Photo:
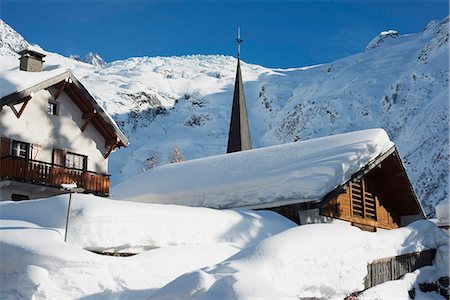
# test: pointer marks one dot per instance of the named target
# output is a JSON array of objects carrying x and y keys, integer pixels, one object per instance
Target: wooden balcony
[{"x": 47, "y": 174}]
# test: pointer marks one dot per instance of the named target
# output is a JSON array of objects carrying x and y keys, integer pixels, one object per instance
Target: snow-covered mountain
[
  {"x": 94, "y": 59},
  {"x": 91, "y": 58},
  {"x": 398, "y": 82},
  {"x": 10, "y": 41}
]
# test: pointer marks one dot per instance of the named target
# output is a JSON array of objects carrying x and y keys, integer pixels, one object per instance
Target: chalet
[
  {"x": 52, "y": 131},
  {"x": 354, "y": 178}
]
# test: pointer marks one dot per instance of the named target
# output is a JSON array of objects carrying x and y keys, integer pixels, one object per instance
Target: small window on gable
[
  {"x": 20, "y": 149},
  {"x": 52, "y": 108},
  {"x": 363, "y": 201}
]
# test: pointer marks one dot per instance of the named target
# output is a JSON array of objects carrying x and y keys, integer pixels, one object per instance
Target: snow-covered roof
[
  {"x": 298, "y": 172},
  {"x": 17, "y": 84},
  {"x": 14, "y": 80}
]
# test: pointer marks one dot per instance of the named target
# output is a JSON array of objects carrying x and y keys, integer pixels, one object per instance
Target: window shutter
[
  {"x": 5, "y": 147},
  {"x": 363, "y": 201},
  {"x": 369, "y": 203},
  {"x": 357, "y": 199},
  {"x": 59, "y": 157}
]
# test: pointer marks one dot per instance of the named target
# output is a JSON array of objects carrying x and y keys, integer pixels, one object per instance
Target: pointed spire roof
[{"x": 239, "y": 134}]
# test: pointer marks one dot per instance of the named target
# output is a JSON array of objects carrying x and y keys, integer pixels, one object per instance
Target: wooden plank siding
[
  {"x": 367, "y": 209},
  {"x": 42, "y": 173},
  {"x": 393, "y": 268}
]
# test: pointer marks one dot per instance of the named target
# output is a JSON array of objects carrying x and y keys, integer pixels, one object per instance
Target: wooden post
[
  {"x": 67, "y": 217},
  {"x": 60, "y": 90}
]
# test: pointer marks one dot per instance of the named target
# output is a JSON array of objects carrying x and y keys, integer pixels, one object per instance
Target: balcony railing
[{"x": 47, "y": 174}]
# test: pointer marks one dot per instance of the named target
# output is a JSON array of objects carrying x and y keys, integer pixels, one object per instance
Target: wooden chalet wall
[
  {"x": 364, "y": 207},
  {"x": 378, "y": 199},
  {"x": 379, "y": 196}
]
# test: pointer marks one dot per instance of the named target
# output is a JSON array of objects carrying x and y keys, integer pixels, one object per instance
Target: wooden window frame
[
  {"x": 15, "y": 143},
  {"x": 76, "y": 155},
  {"x": 52, "y": 108}
]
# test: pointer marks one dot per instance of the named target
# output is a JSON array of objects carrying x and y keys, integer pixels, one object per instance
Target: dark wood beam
[
  {"x": 60, "y": 90},
  {"x": 110, "y": 147},
  {"x": 87, "y": 120},
  {"x": 24, "y": 102},
  {"x": 78, "y": 100},
  {"x": 88, "y": 114},
  {"x": 87, "y": 117},
  {"x": 104, "y": 129},
  {"x": 387, "y": 176}
]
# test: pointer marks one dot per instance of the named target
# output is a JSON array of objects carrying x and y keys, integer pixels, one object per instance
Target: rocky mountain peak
[
  {"x": 94, "y": 59},
  {"x": 381, "y": 39}
]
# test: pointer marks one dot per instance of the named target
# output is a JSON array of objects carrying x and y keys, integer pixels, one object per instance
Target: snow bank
[
  {"x": 398, "y": 289},
  {"x": 289, "y": 173},
  {"x": 101, "y": 224},
  {"x": 322, "y": 260},
  {"x": 443, "y": 212},
  {"x": 203, "y": 254},
  {"x": 36, "y": 263}
]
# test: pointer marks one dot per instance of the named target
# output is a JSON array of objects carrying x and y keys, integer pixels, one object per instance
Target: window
[
  {"x": 76, "y": 161},
  {"x": 20, "y": 149},
  {"x": 52, "y": 108},
  {"x": 363, "y": 201}
]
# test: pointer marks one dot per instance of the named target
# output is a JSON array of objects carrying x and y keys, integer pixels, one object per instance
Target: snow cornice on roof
[
  {"x": 305, "y": 172},
  {"x": 86, "y": 102},
  {"x": 320, "y": 202}
]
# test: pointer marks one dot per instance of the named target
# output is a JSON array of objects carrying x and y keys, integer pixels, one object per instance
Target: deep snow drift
[
  {"x": 227, "y": 254},
  {"x": 103, "y": 224},
  {"x": 35, "y": 261},
  {"x": 323, "y": 261}
]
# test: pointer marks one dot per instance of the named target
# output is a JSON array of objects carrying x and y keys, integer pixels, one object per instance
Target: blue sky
[{"x": 275, "y": 33}]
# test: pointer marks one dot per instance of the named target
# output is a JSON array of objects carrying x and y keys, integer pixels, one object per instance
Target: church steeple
[{"x": 239, "y": 134}]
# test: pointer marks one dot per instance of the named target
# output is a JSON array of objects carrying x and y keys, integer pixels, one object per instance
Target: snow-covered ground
[
  {"x": 35, "y": 260},
  {"x": 192, "y": 253},
  {"x": 322, "y": 261}
]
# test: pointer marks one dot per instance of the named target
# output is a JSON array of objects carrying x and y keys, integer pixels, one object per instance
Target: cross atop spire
[{"x": 239, "y": 41}]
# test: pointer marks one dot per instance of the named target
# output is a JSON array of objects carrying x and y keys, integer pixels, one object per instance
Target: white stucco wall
[{"x": 47, "y": 132}]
